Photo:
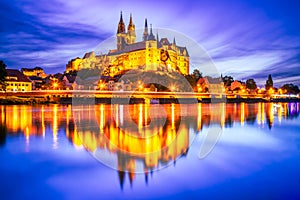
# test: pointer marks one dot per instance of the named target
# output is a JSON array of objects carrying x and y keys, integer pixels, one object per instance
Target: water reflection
[{"x": 156, "y": 137}]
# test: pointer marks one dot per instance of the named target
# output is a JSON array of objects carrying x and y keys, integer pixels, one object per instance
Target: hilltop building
[
  {"x": 151, "y": 53},
  {"x": 37, "y": 72}
]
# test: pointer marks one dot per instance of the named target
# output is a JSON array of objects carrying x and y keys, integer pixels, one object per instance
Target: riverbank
[{"x": 86, "y": 100}]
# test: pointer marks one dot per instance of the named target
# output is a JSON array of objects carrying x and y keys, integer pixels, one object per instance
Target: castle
[{"x": 151, "y": 53}]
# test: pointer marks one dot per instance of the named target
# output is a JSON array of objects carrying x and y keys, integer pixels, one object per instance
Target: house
[
  {"x": 68, "y": 81},
  {"x": 211, "y": 85},
  {"x": 17, "y": 82},
  {"x": 37, "y": 82}
]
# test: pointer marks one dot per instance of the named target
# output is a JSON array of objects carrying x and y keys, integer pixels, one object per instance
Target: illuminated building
[
  {"x": 73, "y": 64},
  {"x": 37, "y": 71},
  {"x": 17, "y": 82},
  {"x": 151, "y": 53}
]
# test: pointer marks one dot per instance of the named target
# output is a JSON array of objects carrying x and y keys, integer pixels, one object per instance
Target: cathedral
[{"x": 151, "y": 53}]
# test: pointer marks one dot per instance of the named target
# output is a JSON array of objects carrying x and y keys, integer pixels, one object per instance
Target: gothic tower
[
  {"x": 145, "y": 35},
  {"x": 121, "y": 34},
  {"x": 131, "y": 32}
]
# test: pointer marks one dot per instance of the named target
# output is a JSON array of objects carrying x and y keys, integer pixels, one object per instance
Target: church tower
[
  {"x": 121, "y": 34},
  {"x": 131, "y": 32},
  {"x": 145, "y": 35}
]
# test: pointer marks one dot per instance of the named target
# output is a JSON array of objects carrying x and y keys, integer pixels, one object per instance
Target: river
[{"x": 244, "y": 151}]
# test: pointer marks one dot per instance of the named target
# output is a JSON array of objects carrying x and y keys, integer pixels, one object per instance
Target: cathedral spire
[
  {"x": 130, "y": 21},
  {"x": 174, "y": 42},
  {"x": 131, "y": 26},
  {"x": 121, "y": 25},
  {"x": 151, "y": 36},
  {"x": 145, "y": 35},
  {"x": 131, "y": 36}
]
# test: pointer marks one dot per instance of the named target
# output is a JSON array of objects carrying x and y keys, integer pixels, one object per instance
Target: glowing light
[
  {"x": 259, "y": 113},
  {"x": 55, "y": 85},
  {"x": 173, "y": 88},
  {"x": 43, "y": 121},
  {"x": 55, "y": 144},
  {"x": 242, "y": 114},
  {"x": 173, "y": 115},
  {"x": 199, "y": 117}
]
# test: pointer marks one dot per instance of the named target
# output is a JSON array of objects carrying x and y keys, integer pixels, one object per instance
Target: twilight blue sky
[{"x": 245, "y": 39}]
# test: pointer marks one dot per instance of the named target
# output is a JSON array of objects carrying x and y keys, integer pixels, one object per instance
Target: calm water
[{"x": 138, "y": 151}]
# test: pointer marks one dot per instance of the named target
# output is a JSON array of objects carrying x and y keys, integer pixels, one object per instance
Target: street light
[{"x": 55, "y": 85}]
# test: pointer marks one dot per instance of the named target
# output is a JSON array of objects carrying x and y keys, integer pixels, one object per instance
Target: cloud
[{"x": 244, "y": 39}]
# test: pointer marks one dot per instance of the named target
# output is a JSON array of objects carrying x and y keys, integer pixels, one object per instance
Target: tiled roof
[
  {"x": 164, "y": 41},
  {"x": 35, "y": 78},
  {"x": 135, "y": 46},
  {"x": 89, "y": 54},
  {"x": 71, "y": 78},
  {"x": 16, "y": 73},
  {"x": 129, "y": 48}
]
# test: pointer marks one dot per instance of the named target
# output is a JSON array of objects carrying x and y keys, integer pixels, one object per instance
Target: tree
[
  {"x": 197, "y": 74},
  {"x": 250, "y": 84},
  {"x": 3, "y": 75},
  {"x": 269, "y": 82},
  {"x": 194, "y": 77},
  {"x": 227, "y": 80},
  {"x": 290, "y": 89}
]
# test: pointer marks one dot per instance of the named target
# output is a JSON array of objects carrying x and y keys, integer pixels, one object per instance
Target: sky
[{"x": 244, "y": 38}]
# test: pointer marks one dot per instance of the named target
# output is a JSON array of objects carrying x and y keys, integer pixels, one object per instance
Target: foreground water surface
[{"x": 150, "y": 151}]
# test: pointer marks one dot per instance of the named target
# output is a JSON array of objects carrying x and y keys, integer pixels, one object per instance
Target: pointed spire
[
  {"x": 121, "y": 17},
  {"x": 131, "y": 177},
  {"x": 130, "y": 21},
  {"x": 157, "y": 39},
  {"x": 121, "y": 25},
  {"x": 146, "y": 24},
  {"x": 151, "y": 36},
  {"x": 145, "y": 34},
  {"x": 121, "y": 178},
  {"x": 131, "y": 26},
  {"x": 174, "y": 42}
]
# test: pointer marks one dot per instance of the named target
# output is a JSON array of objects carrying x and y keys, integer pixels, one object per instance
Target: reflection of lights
[
  {"x": 27, "y": 134},
  {"x": 279, "y": 112},
  {"x": 76, "y": 140},
  {"x": 43, "y": 121},
  {"x": 292, "y": 108},
  {"x": 271, "y": 113},
  {"x": 121, "y": 114},
  {"x": 55, "y": 127},
  {"x": 223, "y": 112},
  {"x": 102, "y": 116},
  {"x": 173, "y": 115},
  {"x": 199, "y": 120},
  {"x": 263, "y": 113},
  {"x": 2, "y": 114},
  {"x": 259, "y": 113},
  {"x": 242, "y": 113}
]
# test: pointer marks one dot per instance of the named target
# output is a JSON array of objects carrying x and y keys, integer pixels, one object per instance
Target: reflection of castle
[
  {"x": 104, "y": 132},
  {"x": 149, "y": 54}
]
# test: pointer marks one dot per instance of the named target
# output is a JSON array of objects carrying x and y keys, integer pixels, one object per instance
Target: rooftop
[{"x": 17, "y": 76}]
